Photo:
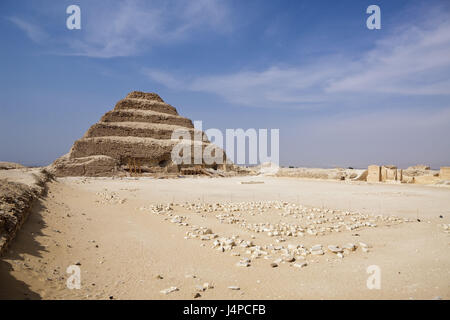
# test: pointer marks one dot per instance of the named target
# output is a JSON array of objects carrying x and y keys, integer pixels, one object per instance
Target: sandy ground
[{"x": 126, "y": 251}]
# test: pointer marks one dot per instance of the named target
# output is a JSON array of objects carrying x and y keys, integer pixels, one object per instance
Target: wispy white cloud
[
  {"x": 413, "y": 60},
  {"x": 120, "y": 28},
  {"x": 127, "y": 28},
  {"x": 163, "y": 78},
  {"x": 33, "y": 31},
  {"x": 273, "y": 87}
]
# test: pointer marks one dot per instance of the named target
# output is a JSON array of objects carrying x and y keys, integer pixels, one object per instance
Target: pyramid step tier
[
  {"x": 144, "y": 104},
  {"x": 144, "y": 95},
  {"x": 141, "y": 129},
  {"x": 133, "y": 115},
  {"x": 94, "y": 166},
  {"x": 147, "y": 150}
]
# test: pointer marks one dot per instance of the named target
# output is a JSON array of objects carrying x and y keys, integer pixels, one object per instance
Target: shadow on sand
[{"x": 24, "y": 243}]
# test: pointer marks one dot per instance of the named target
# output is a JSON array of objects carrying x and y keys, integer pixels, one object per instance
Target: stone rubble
[
  {"x": 335, "y": 249},
  {"x": 169, "y": 290},
  {"x": 312, "y": 222},
  {"x": 109, "y": 197},
  {"x": 300, "y": 264}
]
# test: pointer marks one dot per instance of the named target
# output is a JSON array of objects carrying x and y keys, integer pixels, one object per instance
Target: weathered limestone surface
[
  {"x": 144, "y": 104},
  {"x": 399, "y": 174},
  {"x": 19, "y": 188},
  {"x": 145, "y": 116},
  {"x": 419, "y": 174},
  {"x": 444, "y": 173},
  {"x": 149, "y": 150},
  {"x": 419, "y": 167},
  {"x": 86, "y": 166},
  {"x": 138, "y": 131},
  {"x": 391, "y": 174},
  {"x": 374, "y": 173},
  {"x": 428, "y": 179}
]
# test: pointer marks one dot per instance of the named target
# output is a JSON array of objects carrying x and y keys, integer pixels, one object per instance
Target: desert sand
[{"x": 129, "y": 245}]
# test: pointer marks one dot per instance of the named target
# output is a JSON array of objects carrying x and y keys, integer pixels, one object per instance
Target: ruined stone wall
[
  {"x": 16, "y": 201},
  {"x": 374, "y": 173},
  {"x": 419, "y": 174},
  {"x": 444, "y": 173}
]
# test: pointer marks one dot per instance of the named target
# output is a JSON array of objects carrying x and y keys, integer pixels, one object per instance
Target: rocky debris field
[{"x": 293, "y": 237}]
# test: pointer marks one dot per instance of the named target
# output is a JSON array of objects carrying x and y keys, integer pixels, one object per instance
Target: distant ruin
[
  {"x": 384, "y": 174},
  {"x": 419, "y": 174},
  {"x": 444, "y": 173},
  {"x": 134, "y": 137}
]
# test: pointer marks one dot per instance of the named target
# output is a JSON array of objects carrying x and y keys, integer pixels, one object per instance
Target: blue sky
[{"x": 341, "y": 95}]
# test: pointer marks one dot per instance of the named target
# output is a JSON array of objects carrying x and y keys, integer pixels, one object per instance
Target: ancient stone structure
[
  {"x": 426, "y": 179},
  {"x": 374, "y": 173},
  {"x": 314, "y": 173},
  {"x": 136, "y": 137},
  {"x": 384, "y": 174},
  {"x": 444, "y": 173},
  {"x": 419, "y": 174},
  {"x": 391, "y": 174},
  {"x": 419, "y": 167}
]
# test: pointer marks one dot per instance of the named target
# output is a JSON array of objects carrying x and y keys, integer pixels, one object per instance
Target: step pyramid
[{"x": 135, "y": 136}]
